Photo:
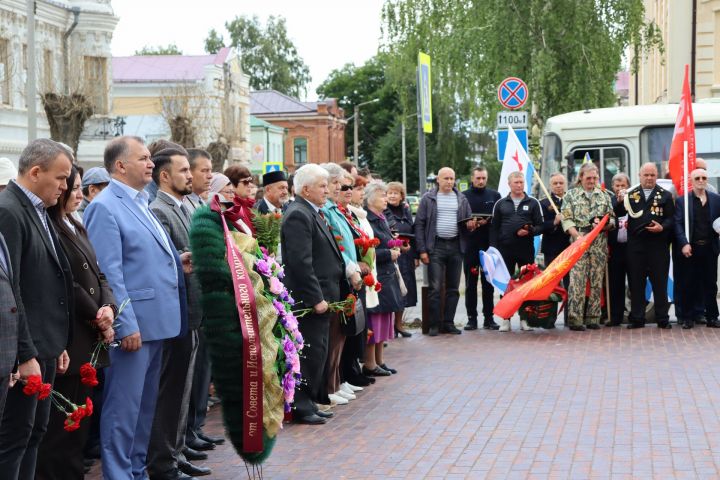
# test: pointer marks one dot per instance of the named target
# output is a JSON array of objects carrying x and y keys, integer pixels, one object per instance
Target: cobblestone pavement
[{"x": 558, "y": 404}]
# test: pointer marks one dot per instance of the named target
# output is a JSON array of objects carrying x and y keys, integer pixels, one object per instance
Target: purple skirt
[{"x": 382, "y": 326}]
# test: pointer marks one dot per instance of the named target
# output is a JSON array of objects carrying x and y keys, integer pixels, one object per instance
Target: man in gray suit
[
  {"x": 8, "y": 323},
  {"x": 165, "y": 459}
]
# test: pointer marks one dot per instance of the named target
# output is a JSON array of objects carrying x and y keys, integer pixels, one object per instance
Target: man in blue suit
[
  {"x": 140, "y": 263},
  {"x": 697, "y": 287}
]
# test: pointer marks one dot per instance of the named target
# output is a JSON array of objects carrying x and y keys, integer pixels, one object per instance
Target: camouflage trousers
[{"x": 590, "y": 268}]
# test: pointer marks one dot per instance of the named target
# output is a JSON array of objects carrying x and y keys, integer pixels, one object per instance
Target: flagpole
[
  {"x": 545, "y": 191},
  {"x": 685, "y": 189}
]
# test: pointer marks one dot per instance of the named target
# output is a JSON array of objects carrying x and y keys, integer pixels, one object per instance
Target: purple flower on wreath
[
  {"x": 279, "y": 308},
  {"x": 276, "y": 286},
  {"x": 263, "y": 267},
  {"x": 290, "y": 300},
  {"x": 288, "y": 384},
  {"x": 291, "y": 322}
]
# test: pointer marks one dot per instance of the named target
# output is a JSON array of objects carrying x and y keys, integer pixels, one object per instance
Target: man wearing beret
[
  {"x": 275, "y": 193},
  {"x": 93, "y": 182}
]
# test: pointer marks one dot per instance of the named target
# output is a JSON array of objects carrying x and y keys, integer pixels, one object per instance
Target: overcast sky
[{"x": 315, "y": 27}]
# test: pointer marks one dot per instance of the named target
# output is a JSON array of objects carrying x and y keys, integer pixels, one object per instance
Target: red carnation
[
  {"x": 369, "y": 280},
  {"x": 88, "y": 375},
  {"x": 32, "y": 385},
  {"x": 77, "y": 415},
  {"x": 71, "y": 426},
  {"x": 45, "y": 391},
  {"x": 378, "y": 286},
  {"x": 88, "y": 407},
  {"x": 342, "y": 249}
]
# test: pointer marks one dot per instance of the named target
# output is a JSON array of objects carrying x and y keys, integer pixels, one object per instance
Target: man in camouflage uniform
[{"x": 582, "y": 208}]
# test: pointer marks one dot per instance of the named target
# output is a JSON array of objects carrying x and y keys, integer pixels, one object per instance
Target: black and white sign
[{"x": 507, "y": 119}]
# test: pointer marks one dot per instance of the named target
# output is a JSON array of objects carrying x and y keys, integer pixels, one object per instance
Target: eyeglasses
[
  {"x": 700, "y": 178},
  {"x": 346, "y": 188},
  {"x": 246, "y": 181}
]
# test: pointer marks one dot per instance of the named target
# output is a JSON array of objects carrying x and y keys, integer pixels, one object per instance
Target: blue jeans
[{"x": 444, "y": 271}]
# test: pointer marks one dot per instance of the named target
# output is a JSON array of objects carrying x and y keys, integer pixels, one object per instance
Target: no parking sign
[{"x": 512, "y": 93}]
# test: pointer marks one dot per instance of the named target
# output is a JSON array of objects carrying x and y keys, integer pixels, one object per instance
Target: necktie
[
  {"x": 4, "y": 262},
  {"x": 185, "y": 212}
]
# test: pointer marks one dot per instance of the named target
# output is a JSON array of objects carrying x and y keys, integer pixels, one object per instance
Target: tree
[
  {"x": 171, "y": 49},
  {"x": 269, "y": 57},
  {"x": 568, "y": 51}
]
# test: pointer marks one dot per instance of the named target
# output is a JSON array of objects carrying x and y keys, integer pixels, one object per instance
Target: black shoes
[
  {"x": 376, "y": 372},
  {"x": 385, "y": 367},
  {"x": 713, "y": 324},
  {"x": 193, "y": 470},
  {"x": 192, "y": 454},
  {"x": 471, "y": 325},
  {"x": 200, "y": 445},
  {"x": 577, "y": 328},
  {"x": 688, "y": 325},
  {"x": 207, "y": 438},
  {"x": 633, "y": 326},
  {"x": 360, "y": 381},
  {"x": 612, "y": 324},
  {"x": 402, "y": 333},
  {"x": 311, "y": 420},
  {"x": 664, "y": 325},
  {"x": 491, "y": 325},
  {"x": 593, "y": 326},
  {"x": 327, "y": 414},
  {"x": 451, "y": 330},
  {"x": 433, "y": 332}
]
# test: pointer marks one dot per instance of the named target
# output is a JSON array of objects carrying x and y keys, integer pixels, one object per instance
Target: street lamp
[{"x": 356, "y": 115}]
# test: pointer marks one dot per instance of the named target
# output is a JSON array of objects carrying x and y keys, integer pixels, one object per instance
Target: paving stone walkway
[{"x": 558, "y": 404}]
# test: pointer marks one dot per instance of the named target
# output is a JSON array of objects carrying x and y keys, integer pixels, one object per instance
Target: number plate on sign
[{"x": 512, "y": 119}]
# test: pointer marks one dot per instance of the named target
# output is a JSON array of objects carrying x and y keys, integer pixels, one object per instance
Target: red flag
[
  {"x": 684, "y": 132},
  {"x": 540, "y": 287}
]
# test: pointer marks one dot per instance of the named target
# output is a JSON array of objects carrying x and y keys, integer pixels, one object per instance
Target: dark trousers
[
  {"x": 352, "y": 352},
  {"x": 169, "y": 425},
  {"x": 60, "y": 456},
  {"x": 336, "y": 342},
  {"x": 92, "y": 445},
  {"x": 472, "y": 260},
  {"x": 444, "y": 270},
  {"x": 617, "y": 268},
  {"x": 24, "y": 423},
  {"x": 199, "y": 391},
  {"x": 515, "y": 257},
  {"x": 699, "y": 284},
  {"x": 315, "y": 330},
  {"x": 4, "y": 382},
  {"x": 648, "y": 261}
]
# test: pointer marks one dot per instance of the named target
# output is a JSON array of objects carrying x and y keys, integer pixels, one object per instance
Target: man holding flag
[{"x": 582, "y": 209}]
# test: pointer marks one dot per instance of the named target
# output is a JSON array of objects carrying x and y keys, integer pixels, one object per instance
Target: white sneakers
[
  {"x": 337, "y": 399},
  {"x": 346, "y": 387},
  {"x": 505, "y": 326}
]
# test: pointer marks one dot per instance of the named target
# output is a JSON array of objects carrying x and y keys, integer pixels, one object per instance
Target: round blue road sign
[{"x": 512, "y": 93}]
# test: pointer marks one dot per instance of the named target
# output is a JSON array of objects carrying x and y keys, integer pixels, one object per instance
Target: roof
[
  {"x": 164, "y": 68},
  {"x": 266, "y": 102},
  {"x": 257, "y": 122},
  {"x": 637, "y": 115}
]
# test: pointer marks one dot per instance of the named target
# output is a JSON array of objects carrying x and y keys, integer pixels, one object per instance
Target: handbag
[
  {"x": 403, "y": 287},
  {"x": 354, "y": 324}
]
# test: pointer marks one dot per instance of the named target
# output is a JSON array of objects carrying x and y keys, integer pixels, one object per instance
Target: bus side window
[{"x": 614, "y": 161}]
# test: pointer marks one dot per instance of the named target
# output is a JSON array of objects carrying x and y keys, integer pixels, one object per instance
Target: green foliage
[
  {"x": 268, "y": 55},
  {"x": 567, "y": 51},
  {"x": 170, "y": 49},
  {"x": 267, "y": 230}
]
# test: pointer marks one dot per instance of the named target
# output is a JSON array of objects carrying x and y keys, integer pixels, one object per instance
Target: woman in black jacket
[
  {"x": 60, "y": 455},
  {"x": 401, "y": 223},
  {"x": 381, "y": 318}
]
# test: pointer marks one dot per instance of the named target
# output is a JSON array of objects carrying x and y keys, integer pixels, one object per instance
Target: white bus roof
[{"x": 637, "y": 115}]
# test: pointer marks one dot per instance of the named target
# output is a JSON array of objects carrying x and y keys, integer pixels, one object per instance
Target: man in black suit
[
  {"x": 313, "y": 271},
  {"x": 617, "y": 259},
  {"x": 554, "y": 238},
  {"x": 43, "y": 282},
  {"x": 648, "y": 247},
  {"x": 275, "y": 193},
  {"x": 698, "y": 252},
  {"x": 167, "y": 441},
  {"x": 8, "y": 323}
]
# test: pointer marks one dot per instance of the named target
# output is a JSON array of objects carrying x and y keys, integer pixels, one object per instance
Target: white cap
[{"x": 8, "y": 171}]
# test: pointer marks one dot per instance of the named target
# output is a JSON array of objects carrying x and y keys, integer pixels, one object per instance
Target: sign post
[
  {"x": 272, "y": 167},
  {"x": 424, "y": 101},
  {"x": 512, "y": 94}
]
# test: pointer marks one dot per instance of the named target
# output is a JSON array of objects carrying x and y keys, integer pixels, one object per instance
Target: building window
[
  {"x": 48, "y": 84},
  {"x": 300, "y": 151},
  {"x": 96, "y": 82},
  {"x": 5, "y": 71}
]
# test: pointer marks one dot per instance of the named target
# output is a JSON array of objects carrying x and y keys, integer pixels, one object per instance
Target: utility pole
[
  {"x": 30, "y": 81},
  {"x": 356, "y": 127}
]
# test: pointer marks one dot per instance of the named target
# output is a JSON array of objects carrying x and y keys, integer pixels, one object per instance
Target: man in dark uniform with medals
[{"x": 650, "y": 223}]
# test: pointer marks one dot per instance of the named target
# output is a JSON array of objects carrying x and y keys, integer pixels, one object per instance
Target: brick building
[{"x": 315, "y": 130}]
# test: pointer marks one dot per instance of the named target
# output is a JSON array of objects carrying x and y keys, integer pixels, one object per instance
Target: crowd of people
[{"x": 96, "y": 266}]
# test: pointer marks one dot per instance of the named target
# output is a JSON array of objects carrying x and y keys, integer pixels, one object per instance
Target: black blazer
[
  {"x": 91, "y": 291},
  {"x": 554, "y": 239},
  {"x": 41, "y": 278},
  {"x": 659, "y": 207},
  {"x": 314, "y": 268}
]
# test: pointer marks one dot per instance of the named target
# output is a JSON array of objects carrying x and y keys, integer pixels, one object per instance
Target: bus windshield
[
  {"x": 655, "y": 147},
  {"x": 551, "y": 154}
]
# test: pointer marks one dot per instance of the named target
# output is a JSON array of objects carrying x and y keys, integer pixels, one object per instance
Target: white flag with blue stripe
[
  {"x": 494, "y": 268},
  {"x": 670, "y": 286},
  {"x": 515, "y": 160}
]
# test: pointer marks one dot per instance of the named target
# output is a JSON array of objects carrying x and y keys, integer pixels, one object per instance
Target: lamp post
[{"x": 356, "y": 116}]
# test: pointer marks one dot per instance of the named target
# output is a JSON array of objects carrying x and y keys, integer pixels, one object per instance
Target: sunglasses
[
  {"x": 346, "y": 188},
  {"x": 700, "y": 178},
  {"x": 246, "y": 181}
]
